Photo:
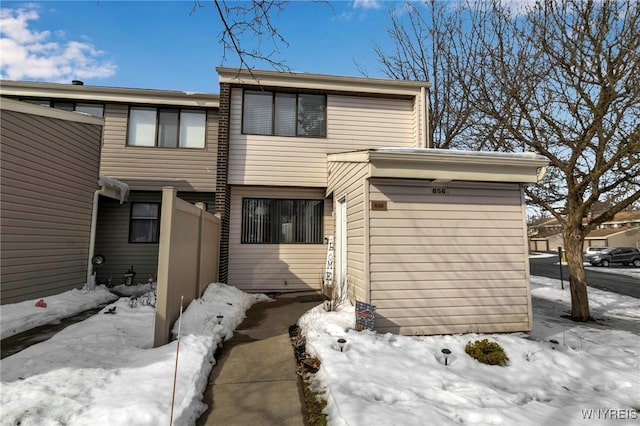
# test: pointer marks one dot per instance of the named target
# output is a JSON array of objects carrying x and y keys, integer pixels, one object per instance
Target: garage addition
[{"x": 435, "y": 239}]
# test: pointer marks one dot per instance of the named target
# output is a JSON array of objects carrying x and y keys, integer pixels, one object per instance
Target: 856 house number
[{"x": 439, "y": 191}]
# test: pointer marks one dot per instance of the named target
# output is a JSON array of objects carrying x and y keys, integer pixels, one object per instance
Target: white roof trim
[
  {"x": 320, "y": 81},
  {"x": 448, "y": 165},
  {"x": 108, "y": 94}
]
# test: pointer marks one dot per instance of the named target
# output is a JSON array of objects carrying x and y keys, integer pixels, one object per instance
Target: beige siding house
[
  {"x": 621, "y": 231},
  {"x": 150, "y": 139},
  {"x": 49, "y": 171},
  {"x": 614, "y": 237},
  {"x": 436, "y": 240}
]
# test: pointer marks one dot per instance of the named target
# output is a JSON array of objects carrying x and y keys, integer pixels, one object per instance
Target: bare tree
[
  {"x": 249, "y": 30},
  {"x": 425, "y": 51},
  {"x": 561, "y": 78}
]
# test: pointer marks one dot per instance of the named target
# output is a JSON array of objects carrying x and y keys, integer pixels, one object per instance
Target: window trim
[
  {"x": 179, "y": 111},
  {"x": 273, "y": 236},
  {"x": 131, "y": 219},
  {"x": 273, "y": 113}
]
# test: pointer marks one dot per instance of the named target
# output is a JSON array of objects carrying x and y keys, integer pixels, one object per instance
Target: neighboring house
[
  {"x": 49, "y": 162},
  {"x": 435, "y": 239},
  {"x": 151, "y": 139},
  {"x": 614, "y": 237},
  {"x": 548, "y": 240},
  {"x": 622, "y": 231}
]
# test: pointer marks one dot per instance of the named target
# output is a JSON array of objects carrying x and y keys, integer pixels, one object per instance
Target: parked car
[
  {"x": 624, "y": 255},
  {"x": 594, "y": 250}
]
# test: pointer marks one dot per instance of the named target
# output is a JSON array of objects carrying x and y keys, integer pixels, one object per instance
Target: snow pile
[
  {"x": 386, "y": 379},
  {"x": 104, "y": 371},
  {"x": 18, "y": 317}
]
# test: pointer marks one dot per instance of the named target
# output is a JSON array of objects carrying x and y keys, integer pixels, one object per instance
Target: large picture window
[
  {"x": 166, "y": 128},
  {"x": 144, "y": 225},
  {"x": 279, "y": 221},
  {"x": 284, "y": 114}
]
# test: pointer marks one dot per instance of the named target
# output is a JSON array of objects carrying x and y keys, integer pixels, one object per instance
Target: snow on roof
[{"x": 436, "y": 151}]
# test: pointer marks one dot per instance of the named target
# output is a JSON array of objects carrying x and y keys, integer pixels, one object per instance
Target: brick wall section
[{"x": 223, "y": 191}]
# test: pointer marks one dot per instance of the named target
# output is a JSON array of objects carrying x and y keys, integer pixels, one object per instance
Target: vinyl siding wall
[
  {"x": 49, "y": 171},
  {"x": 453, "y": 263},
  {"x": 353, "y": 123},
  {"x": 112, "y": 237},
  {"x": 625, "y": 238},
  {"x": 349, "y": 179},
  {"x": 148, "y": 168},
  {"x": 275, "y": 267}
]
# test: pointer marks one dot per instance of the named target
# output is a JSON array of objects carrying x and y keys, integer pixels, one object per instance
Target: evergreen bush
[{"x": 487, "y": 352}]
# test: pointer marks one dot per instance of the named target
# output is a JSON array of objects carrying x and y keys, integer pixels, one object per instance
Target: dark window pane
[
  {"x": 309, "y": 221},
  {"x": 279, "y": 221},
  {"x": 145, "y": 223},
  {"x": 41, "y": 102},
  {"x": 256, "y": 220},
  {"x": 66, "y": 106},
  {"x": 91, "y": 109},
  {"x": 312, "y": 121},
  {"x": 284, "y": 215}
]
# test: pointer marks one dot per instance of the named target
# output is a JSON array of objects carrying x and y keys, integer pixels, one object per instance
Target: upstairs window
[
  {"x": 284, "y": 114},
  {"x": 166, "y": 127},
  {"x": 279, "y": 221}
]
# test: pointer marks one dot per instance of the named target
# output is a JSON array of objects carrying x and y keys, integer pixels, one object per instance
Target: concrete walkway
[{"x": 254, "y": 382}]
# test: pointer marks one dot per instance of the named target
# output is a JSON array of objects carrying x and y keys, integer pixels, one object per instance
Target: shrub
[{"x": 487, "y": 352}]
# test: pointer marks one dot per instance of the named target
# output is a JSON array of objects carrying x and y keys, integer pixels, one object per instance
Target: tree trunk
[{"x": 573, "y": 243}]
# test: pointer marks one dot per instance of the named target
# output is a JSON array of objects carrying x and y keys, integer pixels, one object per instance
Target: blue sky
[{"x": 160, "y": 45}]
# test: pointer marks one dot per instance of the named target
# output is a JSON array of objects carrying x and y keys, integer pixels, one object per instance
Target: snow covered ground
[
  {"x": 592, "y": 376},
  {"x": 104, "y": 371},
  {"x": 18, "y": 317}
]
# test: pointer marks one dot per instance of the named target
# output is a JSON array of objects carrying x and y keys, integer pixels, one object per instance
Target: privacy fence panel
[{"x": 187, "y": 258}]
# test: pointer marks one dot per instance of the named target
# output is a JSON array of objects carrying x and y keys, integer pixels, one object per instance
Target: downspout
[
  {"x": 103, "y": 182},
  {"x": 91, "y": 283}
]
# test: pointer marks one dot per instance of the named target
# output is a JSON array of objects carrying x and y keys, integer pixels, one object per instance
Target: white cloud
[
  {"x": 28, "y": 54},
  {"x": 367, "y": 4}
]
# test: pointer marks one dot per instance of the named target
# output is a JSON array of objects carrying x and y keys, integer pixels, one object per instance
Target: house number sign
[
  {"x": 379, "y": 205},
  {"x": 439, "y": 191}
]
